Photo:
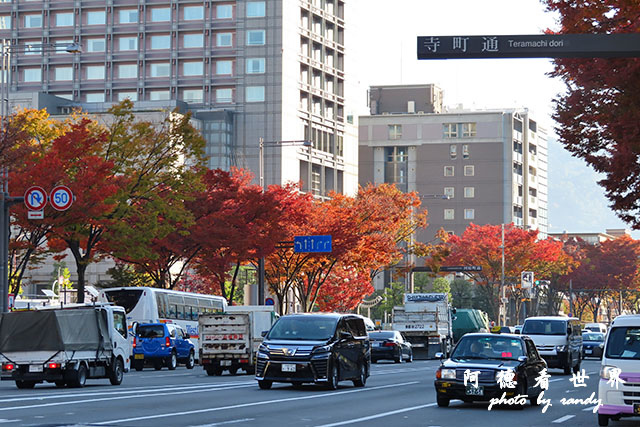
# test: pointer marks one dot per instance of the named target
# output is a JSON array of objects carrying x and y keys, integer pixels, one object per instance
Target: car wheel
[
  {"x": 60, "y": 383},
  {"x": 567, "y": 367},
  {"x": 398, "y": 358},
  {"x": 603, "y": 420},
  {"x": 576, "y": 368},
  {"x": 233, "y": 371},
  {"x": 410, "y": 357},
  {"x": 442, "y": 402},
  {"x": 333, "y": 379},
  {"x": 79, "y": 377},
  {"x": 116, "y": 374},
  {"x": 25, "y": 384},
  {"x": 264, "y": 384},
  {"x": 157, "y": 365},
  {"x": 191, "y": 360},
  {"x": 210, "y": 371},
  {"x": 172, "y": 363},
  {"x": 361, "y": 381},
  {"x": 521, "y": 389},
  {"x": 138, "y": 366}
]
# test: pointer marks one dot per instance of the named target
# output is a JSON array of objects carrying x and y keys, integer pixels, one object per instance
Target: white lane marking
[
  {"x": 563, "y": 419},
  {"x": 556, "y": 379},
  {"x": 589, "y": 409},
  {"x": 3, "y": 420},
  {"x": 260, "y": 403},
  {"x": 243, "y": 420},
  {"x": 120, "y": 392},
  {"x": 138, "y": 396},
  {"x": 380, "y": 415}
]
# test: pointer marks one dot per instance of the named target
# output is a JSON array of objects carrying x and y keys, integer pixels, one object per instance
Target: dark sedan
[
  {"x": 592, "y": 344},
  {"x": 486, "y": 366},
  {"x": 390, "y": 345}
]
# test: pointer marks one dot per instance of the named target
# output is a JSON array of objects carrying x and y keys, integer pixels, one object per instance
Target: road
[{"x": 396, "y": 394}]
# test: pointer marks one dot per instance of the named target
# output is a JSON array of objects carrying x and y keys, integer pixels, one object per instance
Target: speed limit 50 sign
[{"x": 61, "y": 198}]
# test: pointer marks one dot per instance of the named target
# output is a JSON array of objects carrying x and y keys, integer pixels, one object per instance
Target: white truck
[
  {"x": 230, "y": 340},
  {"x": 425, "y": 321},
  {"x": 64, "y": 346}
]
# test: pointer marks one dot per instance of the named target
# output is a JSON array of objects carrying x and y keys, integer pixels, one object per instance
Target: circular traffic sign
[
  {"x": 269, "y": 301},
  {"x": 35, "y": 198},
  {"x": 61, "y": 198}
]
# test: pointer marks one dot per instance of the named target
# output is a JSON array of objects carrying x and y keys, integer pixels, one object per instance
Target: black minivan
[{"x": 322, "y": 348}]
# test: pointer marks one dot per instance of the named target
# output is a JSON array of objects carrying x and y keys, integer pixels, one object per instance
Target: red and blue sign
[
  {"x": 35, "y": 198},
  {"x": 61, "y": 198}
]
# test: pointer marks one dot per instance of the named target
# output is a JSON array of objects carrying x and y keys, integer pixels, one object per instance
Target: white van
[
  {"x": 596, "y": 327},
  {"x": 558, "y": 340},
  {"x": 622, "y": 357}
]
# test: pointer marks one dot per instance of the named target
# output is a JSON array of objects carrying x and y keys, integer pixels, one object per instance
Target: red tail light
[
  {"x": 438, "y": 374},
  {"x": 134, "y": 342},
  {"x": 53, "y": 365},
  {"x": 168, "y": 342},
  {"x": 8, "y": 367},
  {"x": 389, "y": 344}
]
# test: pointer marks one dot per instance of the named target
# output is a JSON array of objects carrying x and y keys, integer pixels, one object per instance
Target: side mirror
[
  {"x": 264, "y": 333},
  {"x": 453, "y": 310},
  {"x": 439, "y": 355},
  {"x": 134, "y": 328},
  {"x": 522, "y": 359},
  {"x": 344, "y": 336},
  {"x": 186, "y": 335}
]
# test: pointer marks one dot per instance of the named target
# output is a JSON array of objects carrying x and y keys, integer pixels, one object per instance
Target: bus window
[
  {"x": 127, "y": 298},
  {"x": 180, "y": 312},
  {"x": 173, "y": 311},
  {"x": 161, "y": 300}
]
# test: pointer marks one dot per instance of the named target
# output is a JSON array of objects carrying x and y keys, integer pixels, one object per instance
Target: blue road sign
[
  {"x": 312, "y": 244},
  {"x": 269, "y": 301}
]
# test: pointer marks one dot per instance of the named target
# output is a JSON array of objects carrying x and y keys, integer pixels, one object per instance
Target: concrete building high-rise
[
  {"x": 492, "y": 165},
  {"x": 246, "y": 70}
]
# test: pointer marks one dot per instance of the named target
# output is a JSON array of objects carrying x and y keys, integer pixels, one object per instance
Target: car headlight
[
  {"x": 321, "y": 349},
  {"x": 448, "y": 374},
  {"x": 263, "y": 351},
  {"x": 561, "y": 348},
  {"x": 605, "y": 372}
]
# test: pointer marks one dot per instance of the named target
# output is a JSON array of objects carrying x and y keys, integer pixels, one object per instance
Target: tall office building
[
  {"x": 492, "y": 165},
  {"x": 246, "y": 70}
]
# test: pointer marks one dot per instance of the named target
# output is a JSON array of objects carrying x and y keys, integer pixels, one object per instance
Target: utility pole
[{"x": 503, "y": 308}]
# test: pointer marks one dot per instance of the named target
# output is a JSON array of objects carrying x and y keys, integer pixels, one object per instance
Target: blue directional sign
[{"x": 312, "y": 244}]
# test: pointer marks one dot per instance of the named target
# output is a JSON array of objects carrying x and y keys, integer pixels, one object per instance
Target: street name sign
[
  {"x": 449, "y": 268},
  {"x": 312, "y": 244}
]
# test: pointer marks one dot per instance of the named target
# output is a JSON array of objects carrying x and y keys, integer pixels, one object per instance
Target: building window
[
  {"x": 192, "y": 95},
  {"x": 517, "y": 211},
  {"x": 192, "y": 68},
  {"x": 192, "y": 13},
  {"x": 33, "y": 48},
  {"x": 160, "y": 70},
  {"x": 128, "y": 43},
  {"x": 133, "y": 96},
  {"x": 533, "y": 213},
  {"x": 449, "y": 192},
  {"x": 68, "y": 96},
  {"x": 453, "y": 151},
  {"x": 449, "y": 214},
  {"x": 95, "y": 97},
  {"x": 129, "y": 16},
  {"x": 254, "y": 93},
  {"x": 224, "y": 39},
  {"x": 468, "y": 130},
  {"x": 159, "y": 95},
  {"x": 193, "y": 40},
  {"x": 224, "y": 95},
  {"x": 255, "y": 65},
  {"x": 60, "y": 46},
  {"x": 32, "y": 75},
  {"x": 469, "y": 192},
  {"x": 95, "y": 72},
  {"x": 533, "y": 150},
  {"x": 63, "y": 74},
  {"x": 450, "y": 130},
  {"x": 160, "y": 14},
  {"x": 224, "y": 11},
  {"x": 396, "y": 167},
  {"x": 64, "y": 19},
  {"x": 395, "y": 131},
  {"x": 465, "y": 151},
  {"x": 469, "y": 170},
  {"x": 469, "y": 213},
  {"x": 160, "y": 42},
  {"x": 517, "y": 168},
  {"x": 5, "y": 22},
  {"x": 255, "y": 37},
  {"x": 533, "y": 192},
  {"x": 224, "y": 67},
  {"x": 33, "y": 21},
  {"x": 255, "y": 9},
  {"x": 517, "y": 146},
  {"x": 97, "y": 17},
  {"x": 128, "y": 71},
  {"x": 96, "y": 45},
  {"x": 449, "y": 171}
]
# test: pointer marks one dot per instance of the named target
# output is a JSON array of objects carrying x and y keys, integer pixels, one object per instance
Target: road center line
[
  {"x": 380, "y": 415},
  {"x": 222, "y": 423},
  {"x": 563, "y": 419},
  {"x": 245, "y": 405}
]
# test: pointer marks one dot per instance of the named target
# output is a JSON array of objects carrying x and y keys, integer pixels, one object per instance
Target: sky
[{"x": 386, "y": 33}]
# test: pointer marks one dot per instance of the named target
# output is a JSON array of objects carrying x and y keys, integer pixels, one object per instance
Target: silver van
[{"x": 558, "y": 340}]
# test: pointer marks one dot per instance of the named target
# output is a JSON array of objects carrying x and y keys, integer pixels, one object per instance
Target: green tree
[
  {"x": 441, "y": 285},
  {"x": 392, "y": 296}
]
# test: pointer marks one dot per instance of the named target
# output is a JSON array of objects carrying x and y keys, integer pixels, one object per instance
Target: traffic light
[{"x": 537, "y": 282}]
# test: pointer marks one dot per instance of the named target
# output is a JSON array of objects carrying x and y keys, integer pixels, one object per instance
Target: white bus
[{"x": 154, "y": 305}]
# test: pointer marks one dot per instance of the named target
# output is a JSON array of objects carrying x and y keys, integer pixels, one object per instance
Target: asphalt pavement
[{"x": 395, "y": 395}]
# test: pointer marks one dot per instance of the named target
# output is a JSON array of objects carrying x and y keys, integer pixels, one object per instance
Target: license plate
[
  {"x": 225, "y": 363},
  {"x": 636, "y": 408},
  {"x": 138, "y": 356},
  {"x": 474, "y": 391},
  {"x": 288, "y": 367},
  {"x": 36, "y": 368},
  {"x": 376, "y": 344},
  {"x": 587, "y": 351}
]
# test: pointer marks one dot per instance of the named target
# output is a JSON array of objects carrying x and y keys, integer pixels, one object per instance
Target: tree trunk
[{"x": 233, "y": 283}]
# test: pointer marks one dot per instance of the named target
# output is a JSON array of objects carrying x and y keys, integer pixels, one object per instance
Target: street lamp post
[
  {"x": 6, "y": 201},
  {"x": 262, "y": 142}
]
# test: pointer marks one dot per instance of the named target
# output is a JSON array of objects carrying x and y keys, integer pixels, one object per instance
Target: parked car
[
  {"x": 162, "y": 344},
  {"x": 558, "y": 339},
  {"x": 321, "y": 348},
  {"x": 592, "y": 344},
  {"x": 489, "y": 355},
  {"x": 390, "y": 345}
]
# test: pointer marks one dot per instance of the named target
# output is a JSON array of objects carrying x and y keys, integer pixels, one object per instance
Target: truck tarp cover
[
  {"x": 54, "y": 330},
  {"x": 468, "y": 320}
]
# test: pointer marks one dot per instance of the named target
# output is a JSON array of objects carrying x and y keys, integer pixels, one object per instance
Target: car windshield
[
  {"x": 487, "y": 347},
  {"x": 592, "y": 337},
  {"x": 624, "y": 343},
  {"x": 544, "y": 327},
  {"x": 311, "y": 328},
  {"x": 150, "y": 331},
  {"x": 384, "y": 335}
]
